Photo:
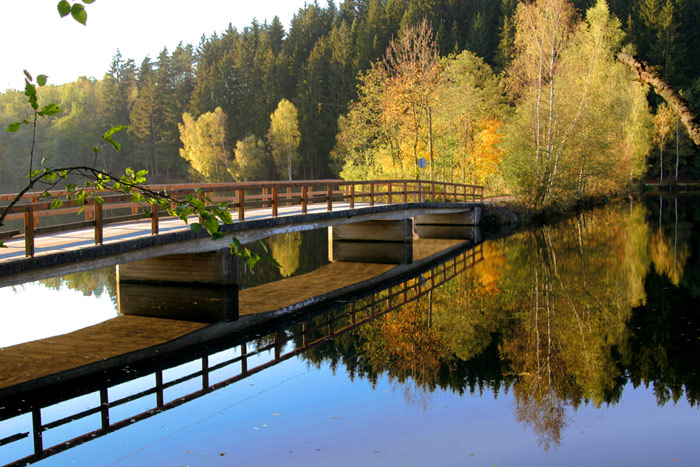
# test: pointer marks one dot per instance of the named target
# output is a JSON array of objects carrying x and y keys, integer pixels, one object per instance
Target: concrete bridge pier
[
  {"x": 376, "y": 241},
  {"x": 198, "y": 287},
  {"x": 460, "y": 225}
]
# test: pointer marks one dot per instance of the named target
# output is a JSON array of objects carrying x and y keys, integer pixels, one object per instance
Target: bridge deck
[{"x": 48, "y": 244}]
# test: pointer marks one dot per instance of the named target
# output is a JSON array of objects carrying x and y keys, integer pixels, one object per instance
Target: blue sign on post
[{"x": 422, "y": 163}]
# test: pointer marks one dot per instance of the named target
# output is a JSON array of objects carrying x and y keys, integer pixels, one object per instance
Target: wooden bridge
[{"x": 47, "y": 242}]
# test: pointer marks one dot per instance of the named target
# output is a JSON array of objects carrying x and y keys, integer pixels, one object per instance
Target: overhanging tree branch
[{"x": 652, "y": 75}]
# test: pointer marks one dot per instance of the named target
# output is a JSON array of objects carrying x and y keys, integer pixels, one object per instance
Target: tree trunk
[
  {"x": 678, "y": 134},
  {"x": 653, "y": 76}
]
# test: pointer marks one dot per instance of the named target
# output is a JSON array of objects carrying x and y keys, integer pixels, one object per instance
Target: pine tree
[
  {"x": 167, "y": 116},
  {"x": 316, "y": 116},
  {"x": 143, "y": 117},
  {"x": 116, "y": 99}
]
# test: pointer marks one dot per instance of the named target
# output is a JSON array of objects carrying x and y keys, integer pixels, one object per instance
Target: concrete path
[{"x": 113, "y": 233}]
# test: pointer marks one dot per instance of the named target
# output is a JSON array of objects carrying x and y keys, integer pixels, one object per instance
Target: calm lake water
[{"x": 571, "y": 344}]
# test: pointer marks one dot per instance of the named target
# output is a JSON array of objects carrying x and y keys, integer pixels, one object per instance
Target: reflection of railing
[
  {"x": 241, "y": 197},
  {"x": 303, "y": 333}
]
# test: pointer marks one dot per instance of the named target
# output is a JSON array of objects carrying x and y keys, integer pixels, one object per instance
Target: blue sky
[{"x": 35, "y": 38}]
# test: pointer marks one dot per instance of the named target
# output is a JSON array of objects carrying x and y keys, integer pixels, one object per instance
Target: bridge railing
[{"x": 240, "y": 198}]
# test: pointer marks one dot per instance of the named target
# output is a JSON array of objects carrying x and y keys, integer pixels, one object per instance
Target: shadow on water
[{"x": 561, "y": 317}]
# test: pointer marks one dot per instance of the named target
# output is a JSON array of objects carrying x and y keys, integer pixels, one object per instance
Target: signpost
[{"x": 422, "y": 163}]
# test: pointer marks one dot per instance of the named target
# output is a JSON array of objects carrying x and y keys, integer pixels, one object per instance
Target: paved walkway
[{"x": 113, "y": 233}]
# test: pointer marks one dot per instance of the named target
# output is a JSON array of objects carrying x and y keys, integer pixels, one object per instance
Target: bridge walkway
[{"x": 54, "y": 243}]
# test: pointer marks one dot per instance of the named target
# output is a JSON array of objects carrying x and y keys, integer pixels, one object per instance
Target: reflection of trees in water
[
  {"x": 562, "y": 315},
  {"x": 297, "y": 252},
  {"x": 387, "y": 347},
  {"x": 286, "y": 248},
  {"x": 95, "y": 282},
  {"x": 670, "y": 247},
  {"x": 665, "y": 333},
  {"x": 568, "y": 323}
]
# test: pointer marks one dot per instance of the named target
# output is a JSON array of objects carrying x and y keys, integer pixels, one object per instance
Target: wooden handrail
[
  {"x": 242, "y": 196},
  {"x": 189, "y": 188}
]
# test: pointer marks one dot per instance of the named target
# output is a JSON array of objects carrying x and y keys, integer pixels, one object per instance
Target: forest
[{"x": 522, "y": 97}]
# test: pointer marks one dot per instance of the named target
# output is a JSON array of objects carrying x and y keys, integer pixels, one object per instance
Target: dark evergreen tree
[{"x": 143, "y": 117}]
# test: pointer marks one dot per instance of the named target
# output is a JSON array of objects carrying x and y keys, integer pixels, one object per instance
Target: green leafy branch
[
  {"x": 75, "y": 9},
  {"x": 45, "y": 111}
]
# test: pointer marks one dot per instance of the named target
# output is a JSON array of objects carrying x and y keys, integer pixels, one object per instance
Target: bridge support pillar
[
  {"x": 194, "y": 287},
  {"x": 471, "y": 216},
  {"x": 377, "y": 241},
  {"x": 461, "y": 225}
]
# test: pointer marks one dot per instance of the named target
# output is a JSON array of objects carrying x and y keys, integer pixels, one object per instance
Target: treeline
[{"x": 227, "y": 88}]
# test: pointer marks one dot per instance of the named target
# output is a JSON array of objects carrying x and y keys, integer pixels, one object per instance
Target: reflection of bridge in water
[{"x": 234, "y": 350}]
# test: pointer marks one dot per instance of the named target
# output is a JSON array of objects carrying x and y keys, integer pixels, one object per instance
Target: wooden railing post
[
  {"x": 404, "y": 197},
  {"x": 244, "y": 358},
  {"x": 274, "y": 201},
  {"x": 432, "y": 191},
  {"x": 330, "y": 198},
  {"x": 154, "y": 219},
  {"x": 420, "y": 192},
  {"x": 104, "y": 408},
  {"x": 28, "y": 232},
  {"x": 388, "y": 192},
  {"x": 371, "y": 194},
  {"x": 278, "y": 345},
  {"x": 241, "y": 207},
  {"x": 304, "y": 199},
  {"x": 38, "y": 431},
  {"x": 98, "y": 224},
  {"x": 352, "y": 196},
  {"x": 205, "y": 372}
]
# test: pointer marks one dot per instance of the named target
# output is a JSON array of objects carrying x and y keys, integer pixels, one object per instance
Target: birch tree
[
  {"x": 204, "y": 145},
  {"x": 543, "y": 30},
  {"x": 283, "y": 138},
  {"x": 664, "y": 121},
  {"x": 579, "y": 116}
]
